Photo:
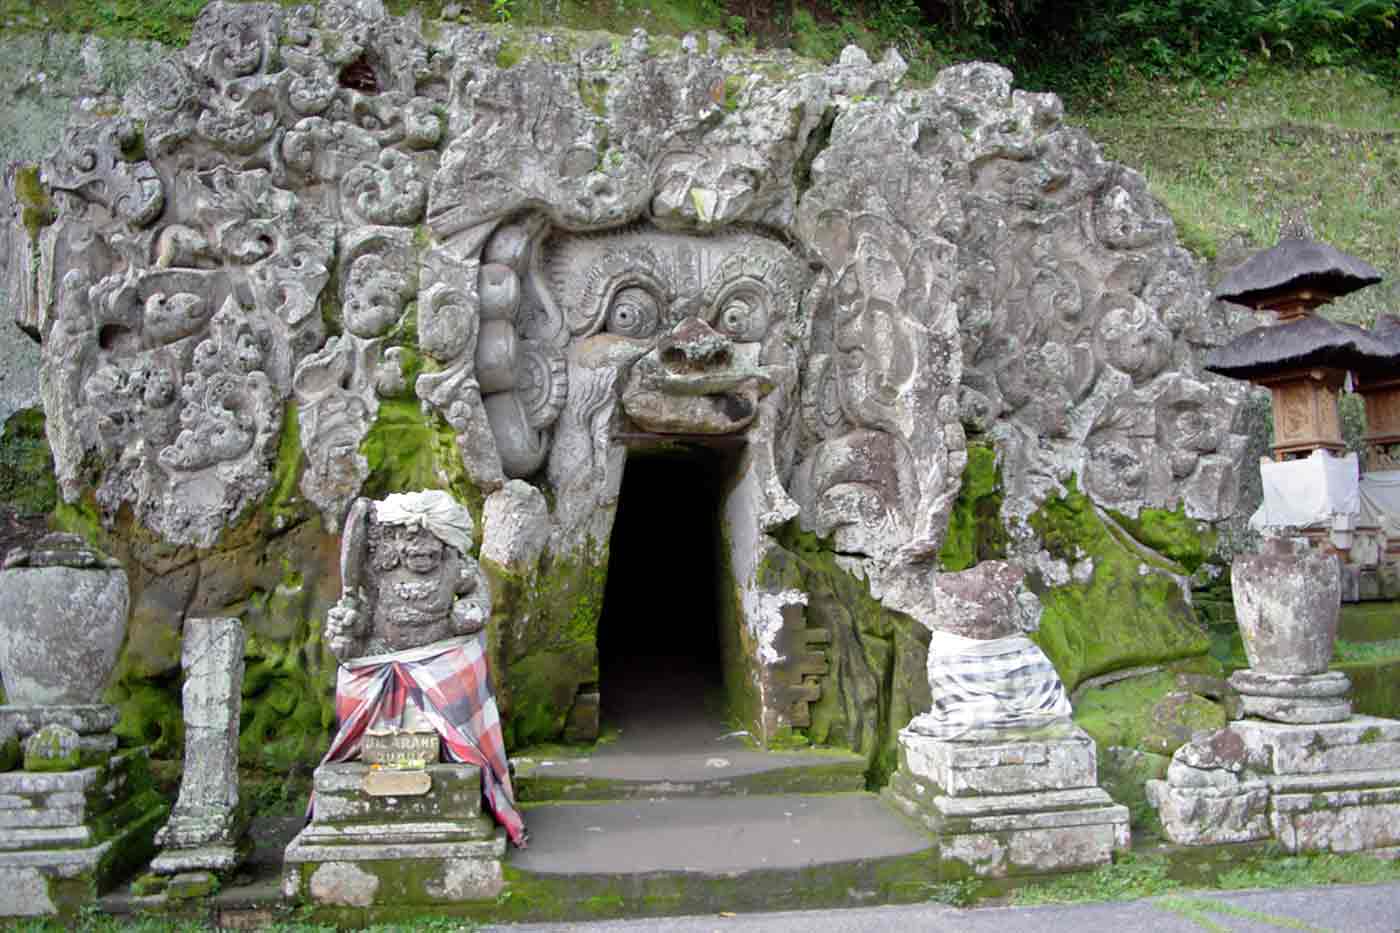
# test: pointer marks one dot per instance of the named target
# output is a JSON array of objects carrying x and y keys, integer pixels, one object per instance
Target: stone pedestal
[
  {"x": 65, "y": 836},
  {"x": 381, "y": 837},
  {"x": 1013, "y": 805},
  {"x": 1321, "y": 787},
  {"x": 1294, "y": 698},
  {"x": 206, "y": 829}
]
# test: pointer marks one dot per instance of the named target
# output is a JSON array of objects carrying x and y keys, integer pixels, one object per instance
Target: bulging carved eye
[
  {"x": 634, "y": 313},
  {"x": 743, "y": 317}
]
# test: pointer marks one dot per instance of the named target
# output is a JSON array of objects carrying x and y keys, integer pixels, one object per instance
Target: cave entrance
[{"x": 659, "y": 637}]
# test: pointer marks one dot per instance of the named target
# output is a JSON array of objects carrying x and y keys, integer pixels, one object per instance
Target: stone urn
[
  {"x": 63, "y": 612},
  {"x": 1288, "y": 600}
]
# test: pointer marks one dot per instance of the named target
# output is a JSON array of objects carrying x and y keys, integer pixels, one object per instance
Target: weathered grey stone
[
  {"x": 1287, "y": 602},
  {"x": 63, "y": 629},
  {"x": 1238, "y": 811},
  {"x": 515, "y": 525},
  {"x": 455, "y": 794},
  {"x": 24, "y": 892},
  {"x": 984, "y": 675},
  {"x": 1313, "y": 788},
  {"x": 828, "y": 269},
  {"x": 206, "y": 814},
  {"x": 86, "y": 720},
  {"x": 1024, "y": 764}
]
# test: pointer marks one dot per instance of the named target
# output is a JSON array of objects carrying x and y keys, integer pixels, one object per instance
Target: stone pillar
[{"x": 206, "y": 827}]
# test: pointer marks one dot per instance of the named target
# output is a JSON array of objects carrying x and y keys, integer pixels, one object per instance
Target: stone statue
[
  {"x": 412, "y": 601},
  {"x": 408, "y": 579},
  {"x": 985, "y": 675}
]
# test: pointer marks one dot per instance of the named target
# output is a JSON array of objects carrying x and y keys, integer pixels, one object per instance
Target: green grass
[
  {"x": 1348, "y": 651},
  {"x": 1129, "y": 878},
  {"x": 1225, "y": 159}
]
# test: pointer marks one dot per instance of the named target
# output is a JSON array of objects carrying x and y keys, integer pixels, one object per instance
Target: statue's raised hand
[{"x": 343, "y": 624}]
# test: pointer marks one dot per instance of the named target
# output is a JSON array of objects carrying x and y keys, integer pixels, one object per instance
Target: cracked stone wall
[{"x": 324, "y": 252}]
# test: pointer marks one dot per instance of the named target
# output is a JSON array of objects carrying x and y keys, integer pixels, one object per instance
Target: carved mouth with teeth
[{"x": 693, "y": 383}]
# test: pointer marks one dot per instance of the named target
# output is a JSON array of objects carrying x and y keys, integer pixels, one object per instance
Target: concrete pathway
[
  {"x": 1339, "y": 908},
  {"x": 723, "y": 835}
]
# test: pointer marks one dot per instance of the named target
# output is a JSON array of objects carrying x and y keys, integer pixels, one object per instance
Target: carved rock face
[{"x": 705, "y": 319}]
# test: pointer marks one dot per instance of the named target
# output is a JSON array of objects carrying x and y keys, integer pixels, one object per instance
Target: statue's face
[
  {"x": 413, "y": 548},
  {"x": 703, "y": 320}
]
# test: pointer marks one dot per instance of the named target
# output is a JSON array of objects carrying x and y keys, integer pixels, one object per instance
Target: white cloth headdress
[{"x": 432, "y": 509}]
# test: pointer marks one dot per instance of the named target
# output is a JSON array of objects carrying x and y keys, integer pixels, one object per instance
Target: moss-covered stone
[
  {"x": 27, "y": 479},
  {"x": 877, "y": 680},
  {"x": 10, "y": 754},
  {"x": 1149, "y": 713},
  {"x": 1183, "y": 540},
  {"x": 1129, "y": 612},
  {"x": 543, "y": 635},
  {"x": 408, "y": 449},
  {"x": 52, "y": 748},
  {"x": 975, "y": 530}
]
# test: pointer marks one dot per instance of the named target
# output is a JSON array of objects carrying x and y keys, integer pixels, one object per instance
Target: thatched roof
[
  {"x": 1307, "y": 342},
  {"x": 1295, "y": 264}
]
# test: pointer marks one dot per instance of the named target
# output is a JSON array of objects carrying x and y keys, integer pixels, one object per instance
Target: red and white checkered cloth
[{"x": 451, "y": 684}]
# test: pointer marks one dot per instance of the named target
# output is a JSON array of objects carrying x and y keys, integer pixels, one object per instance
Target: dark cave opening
[{"x": 658, "y": 637}]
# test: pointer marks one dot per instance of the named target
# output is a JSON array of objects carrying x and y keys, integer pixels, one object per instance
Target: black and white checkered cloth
[{"x": 993, "y": 684}]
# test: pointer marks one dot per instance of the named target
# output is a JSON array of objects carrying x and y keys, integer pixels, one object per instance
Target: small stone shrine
[
  {"x": 390, "y": 823},
  {"x": 1300, "y": 768},
  {"x": 77, "y": 814},
  {"x": 996, "y": 768},
  {"x": 205, "y": 835}
]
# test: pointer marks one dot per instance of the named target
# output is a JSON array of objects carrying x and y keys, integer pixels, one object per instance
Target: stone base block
[
  {"x": 367, "y": 872},
  {"x": 59, "y": 880},
  {"x": 91, "y": 719},
  {"x": 395, "y": 838},
  {"x": 1199, "y": 816},
  {"x": 1016, "y": 834},
  {"x": 343, "y": 793},
  {"x": 1361, "y": 743},
  {"x": 1317, "y": 787},
  {"x": 1060, "y": 758},
  {"x": 218, "y": 858}
]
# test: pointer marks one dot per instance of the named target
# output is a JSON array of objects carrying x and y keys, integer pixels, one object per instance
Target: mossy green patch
[
  {"x": 36, "y": 208},
  {"x": 409, "y": 450},
  {"x": 975, "y": 530},
  {"x": 1148, "y": 713},
  {"x": 1182, "y": 540},
  {"x": 27, "y": 480},
  {"x": 1129, "y": 612},
  {"x": 1369, "y": 621},
  {"x": 1375, "y": 686},
  {"x": 544, "y": 633},
  {"x": 877, "y": 680}
]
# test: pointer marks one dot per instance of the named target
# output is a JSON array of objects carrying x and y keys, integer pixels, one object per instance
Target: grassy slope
[{"x": 1225, "y": 159}]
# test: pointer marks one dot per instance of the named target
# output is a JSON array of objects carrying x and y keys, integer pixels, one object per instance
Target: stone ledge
[
  {"x": 965, "y": 769},
  {"x": 455, "y": 794},
  {"x": 398, "y": 834},
  {"x": 88, "y": 719}
]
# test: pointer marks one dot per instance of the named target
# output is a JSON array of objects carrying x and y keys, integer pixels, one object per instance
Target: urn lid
[{"x": 60, "y": 549}]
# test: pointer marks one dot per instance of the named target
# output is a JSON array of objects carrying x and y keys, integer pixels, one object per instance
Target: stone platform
[
  {"x": 1320, "y": 787},
  {"x": 65, "y": 836},
  {"x": 395, "y": 837},
  {"x": 1023, "y": 805}
]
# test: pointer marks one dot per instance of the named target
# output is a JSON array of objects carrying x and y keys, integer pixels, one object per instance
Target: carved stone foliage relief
[{"x": 312, "y": 210}]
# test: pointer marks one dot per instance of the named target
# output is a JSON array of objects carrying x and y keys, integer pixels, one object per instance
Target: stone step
[
  {"x": 713, "y": 835},
  {"x": 720, "y": 772}
]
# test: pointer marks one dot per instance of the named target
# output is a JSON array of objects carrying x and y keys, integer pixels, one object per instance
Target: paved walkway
[{"x": 1340, "y": 908}]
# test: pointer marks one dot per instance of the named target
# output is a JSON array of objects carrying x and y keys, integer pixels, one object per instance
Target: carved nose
[{"x": 693, "y": 344}]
